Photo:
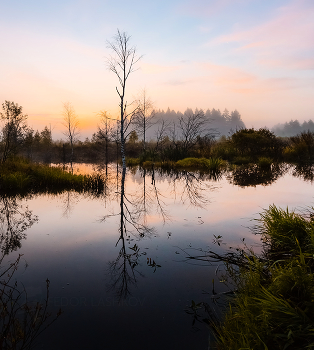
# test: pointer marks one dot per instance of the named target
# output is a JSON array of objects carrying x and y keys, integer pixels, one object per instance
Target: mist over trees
[
  {"x": 293, "y": 128},
  {"x": 220, "y": 123}
]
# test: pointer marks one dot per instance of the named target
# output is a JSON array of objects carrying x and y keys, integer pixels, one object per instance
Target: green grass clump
[
  {"x": 22, "y": 176},
  {"x": 273, "y": 306},
  {"x": 285, "y": 232},
  {"x": 132, "y": 162},
  {"x": 274, "y": 313},
  {"x": 168, "y": 164},
  {"x": 211, "y": 164},
  {"x": 265, "y": 162}
]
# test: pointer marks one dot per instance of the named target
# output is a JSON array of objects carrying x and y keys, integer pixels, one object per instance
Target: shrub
[
  {"x": 265, "y": 162},
  {"x": 254, "y": 143}
]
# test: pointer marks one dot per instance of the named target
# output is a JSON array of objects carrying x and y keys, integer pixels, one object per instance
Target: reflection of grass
[
  {"x": 21, "y": 321},
  {"x": 20, "y": 175},
  {"x": 273, "y": 307},
  {"x": 239, "y": 160}
]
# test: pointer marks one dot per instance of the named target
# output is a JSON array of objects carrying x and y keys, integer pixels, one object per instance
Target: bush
[
  {"x": 265, "y": 162},
  {"x": 256, "y": 143}
]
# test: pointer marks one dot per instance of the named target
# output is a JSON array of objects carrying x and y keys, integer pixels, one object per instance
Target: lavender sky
[{"x": 250, "y": 55}]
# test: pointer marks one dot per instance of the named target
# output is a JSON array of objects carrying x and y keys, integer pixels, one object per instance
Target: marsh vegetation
[{"x": 270, "y": 305}]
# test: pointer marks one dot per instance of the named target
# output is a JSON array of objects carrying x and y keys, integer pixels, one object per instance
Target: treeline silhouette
[
  {"x": 174, "y": 136},
  {"x": 222, "y": 123},
  {"x": 293, "y": 128}
]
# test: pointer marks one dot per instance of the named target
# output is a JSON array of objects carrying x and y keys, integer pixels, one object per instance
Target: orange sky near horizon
[{"x": 253, "y": 56}]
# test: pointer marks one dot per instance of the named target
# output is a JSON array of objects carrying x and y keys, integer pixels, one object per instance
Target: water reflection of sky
[{"x": 72, "y": 246}]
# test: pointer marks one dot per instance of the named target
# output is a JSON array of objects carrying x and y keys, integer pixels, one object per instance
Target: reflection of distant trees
[
  {"x": 304, "y": 171},
  {"x": 189, "y": 186},
  {"x": 14, "y": 221},
  {"x": 150, "y": 198},
  {"x": 253, "y": 175},
  {"x": 135, "y": 208},
  {"x": 69, "y": 199}
]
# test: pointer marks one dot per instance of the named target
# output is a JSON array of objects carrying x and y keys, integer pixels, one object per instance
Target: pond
[{"x": 117, "y": 260}]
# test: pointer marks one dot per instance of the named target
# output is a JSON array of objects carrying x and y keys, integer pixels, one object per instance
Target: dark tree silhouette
[{"x": 14, "y": 128}]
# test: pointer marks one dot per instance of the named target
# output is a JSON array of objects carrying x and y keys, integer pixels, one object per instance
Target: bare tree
[
  {"x": 144, "y": 116},
  {"x": 122, "y": 64},
  {"x": 71, "y": 123},
  {"x": 192, "y": 126}
]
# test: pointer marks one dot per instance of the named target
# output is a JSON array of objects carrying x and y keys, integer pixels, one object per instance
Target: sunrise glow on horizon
[{"x": 251, "y": 55}]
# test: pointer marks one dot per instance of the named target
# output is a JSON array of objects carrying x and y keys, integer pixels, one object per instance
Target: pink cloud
[
  {"x": 281, "y": 40},
  {"x": 225, "y": 75},
  {"x": 239, "y": 81}
]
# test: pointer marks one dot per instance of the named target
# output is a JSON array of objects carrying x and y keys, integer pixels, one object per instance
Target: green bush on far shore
[{"x": 211, "y": 164}]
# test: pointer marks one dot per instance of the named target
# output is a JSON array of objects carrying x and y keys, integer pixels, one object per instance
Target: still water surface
[{"x": 117, "y": 263}]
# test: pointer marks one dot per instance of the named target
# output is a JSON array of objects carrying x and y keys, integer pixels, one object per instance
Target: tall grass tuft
[
  {"x": 285, "y": 232},
  {"x": 274, "y": 313},
  {"x": 273, "y": 303}
]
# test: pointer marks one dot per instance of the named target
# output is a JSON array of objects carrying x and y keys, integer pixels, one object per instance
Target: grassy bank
[
  {"x": 273, "y": 306},
  {"x": 204, "y": 164},
  {"x": 21, "y": 176}
]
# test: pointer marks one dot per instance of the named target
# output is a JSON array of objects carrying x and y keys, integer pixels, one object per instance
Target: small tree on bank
[
  {"x": 122, "y": 64},
  {"x": 71, "y": 123},
  {"x": 14, "y": 128},
  {"x": 144, "y": 116},
  {"x": 105, "y": 131}
]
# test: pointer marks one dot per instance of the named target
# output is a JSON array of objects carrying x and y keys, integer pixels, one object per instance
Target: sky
[{"x": 256, "y": 56}]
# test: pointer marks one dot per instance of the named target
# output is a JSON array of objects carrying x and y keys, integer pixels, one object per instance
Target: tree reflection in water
[
  {"x": 253, "y": 175},
  {"x": 123, "y": 270},
  {"x": 68, "y": 200},
  {"x": 14, "y": 221},
  {"x": 134, "y": 213},
  {"x": 304, "y": 171},
  {"x": 21, "y": 321},
  {"x": 194, "y": 188}
]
